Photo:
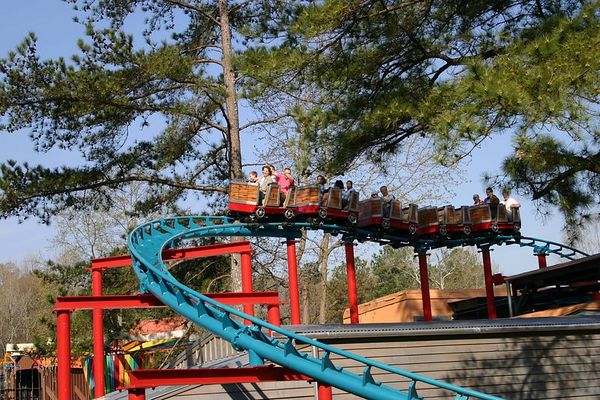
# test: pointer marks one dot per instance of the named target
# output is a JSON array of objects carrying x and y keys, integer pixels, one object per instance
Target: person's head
[
  {"x": 384, "y": 190},
  {"x": 253, "y": 175},
  {"x": 476, "y": 197},
  {"x": 320, "y": 179},
  {"x": 505, "y": 194},
  {"x": 287, "y": 172},
  {"x": 272, "y": 168},
  {"x": 349, "y": 185},
  {"x": 489, "y": 191},
  {"x": 266, "y": 170},
  {"x": 338, "y": 184}
]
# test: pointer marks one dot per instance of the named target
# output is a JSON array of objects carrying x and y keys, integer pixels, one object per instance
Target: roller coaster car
[
  {"x": 310, "y": 205},
  {"x": 484, "y": 220},
  {"x": 396, "y": 220},
  {"x": 454, "y": 222},
  {"x": 245, "y": 199},
  {"x": 429, "y": 224}
]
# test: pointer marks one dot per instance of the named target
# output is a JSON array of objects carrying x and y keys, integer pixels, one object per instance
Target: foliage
[
  {"x": 21, "y": 310},
  {"x": 159, "y": 106},
  {"x": 337, "y": 289},
  {"x": 457, "y": 72}
]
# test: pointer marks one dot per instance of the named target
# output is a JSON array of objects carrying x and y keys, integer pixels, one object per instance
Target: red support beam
[
  {"x": 122, "y": 301},
  {"x": 351, "y": 277},
  {"x": 63, "y": 354},
  {"x": 489, "y": 287},
  {"x": 247, "y": 281},
  {"x": 274, "y": 315},
  {"x": 542, "y": 262},
  {"x": 425, "y": 295},
  {"x": 177, "y": 254},
  {"x": 147, "y": 378},
  {"x": 293, "y": 282},
  {"x": 324, "y": 391},
  {"x": 98, "y": 335},
  {"x": 136, "y": 394}
]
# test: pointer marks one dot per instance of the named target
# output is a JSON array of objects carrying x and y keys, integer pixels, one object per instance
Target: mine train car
[
  {"x": 445, "y": 221},
  {"x": 304, "y": 203},
  {"x": 312, "y": 206},
  {"x": 485, "y": 219},
  {"x": 391, "y": 219}
]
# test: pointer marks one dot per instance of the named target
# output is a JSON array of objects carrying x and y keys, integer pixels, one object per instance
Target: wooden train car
[
  {"x": 311, "y": 205},
  {"x": 429, "y": 224},
  {"x": 484, "y": 220},
  {"x": 245, "y": 199},
  {"x": 396, "y": 220},
  {"x": 454, "y": 222}
]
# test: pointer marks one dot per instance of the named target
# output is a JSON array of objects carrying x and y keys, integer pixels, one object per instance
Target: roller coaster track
[{"x": 146, "y": 243}]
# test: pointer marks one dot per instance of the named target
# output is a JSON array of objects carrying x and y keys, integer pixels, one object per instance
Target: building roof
[{"x": 585, "y": 269}]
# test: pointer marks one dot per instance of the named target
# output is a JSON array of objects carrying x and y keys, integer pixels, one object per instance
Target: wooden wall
[{"x": 518, "y": 361}]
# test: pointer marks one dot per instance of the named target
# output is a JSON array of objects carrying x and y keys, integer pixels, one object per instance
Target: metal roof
[{"x": 586, "y": 269}]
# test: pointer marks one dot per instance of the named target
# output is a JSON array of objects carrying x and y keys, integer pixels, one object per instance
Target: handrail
[{"x": 146, "y": 244}]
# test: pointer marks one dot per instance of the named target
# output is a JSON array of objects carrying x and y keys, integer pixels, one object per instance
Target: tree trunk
[
  {"x": 231, "y": 103},
  {"x": 233, "y": 126},
  {"x": 323, "y": 270}
]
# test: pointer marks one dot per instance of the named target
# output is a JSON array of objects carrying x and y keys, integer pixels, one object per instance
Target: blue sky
[{"x": 51, "y": 20}]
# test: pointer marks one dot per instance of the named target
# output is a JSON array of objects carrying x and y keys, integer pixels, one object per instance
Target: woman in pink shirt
[{"x": 284, "y": 180}]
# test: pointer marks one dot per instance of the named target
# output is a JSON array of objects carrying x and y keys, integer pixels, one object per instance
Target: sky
[{"x": 51, "y": 20}]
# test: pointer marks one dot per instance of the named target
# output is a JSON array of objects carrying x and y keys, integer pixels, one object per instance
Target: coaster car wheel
[
  {"x": 467, "y": 229},
  {"x": 412, "y": 229},
  {"x": 352, "y": 218},
  {"x": 495, "y": 228},
  {"x": 260, "y": 212},
  {"x": 443, "y": 230},
  {"x": 385, "y": 224},
  {"x": 288, "y": 214},
  {"x": 517, "y": 228},
  {"x": 322, "y": 213}
]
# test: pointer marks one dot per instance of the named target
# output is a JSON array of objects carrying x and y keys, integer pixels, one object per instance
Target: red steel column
[
  {"x": 63, "y": 354},
  {"x": 352, "y": 291},
  {"x": 98, "y": 335},
  {"x": 293, "y": 277},
  {"x": 247, "y": 280},
  {"x": 542, "y": 260},
  {"x": 136, "y": 394},
  {"x": 489, "y": 287},
  {"x": 273, "y": 315},
  {"x": 425, "y": 295},
  {"x": 324, "y": 391}
]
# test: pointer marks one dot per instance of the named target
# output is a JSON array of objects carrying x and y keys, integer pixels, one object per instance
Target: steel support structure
[
  {"x": 351, "y": 277},
  {"x": 98, "y": 336},
  {"x": 293, "y": 282},
  {"x": 324, "y": 391},
  {"x": 542, "y": 262},
  {"x": 63, "y": 354},
  {"x": 66, "y": 304},
  {"x": 247, "y": 280},
  {"x": 489, "y": 286},
  {"x": 100, "y": 264},
  {"x": 425, "y": 294}
]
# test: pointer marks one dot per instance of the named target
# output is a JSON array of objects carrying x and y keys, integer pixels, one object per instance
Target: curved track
[{"x": 146, "y": 244}]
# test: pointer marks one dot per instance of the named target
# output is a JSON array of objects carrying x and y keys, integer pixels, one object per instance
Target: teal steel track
[{"x": 147, "y": 242}]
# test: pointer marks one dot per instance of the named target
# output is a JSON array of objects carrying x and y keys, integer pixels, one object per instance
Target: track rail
[{"x": 146, "y": 244}]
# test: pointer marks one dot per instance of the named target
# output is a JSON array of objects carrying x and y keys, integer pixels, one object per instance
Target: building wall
[{"x": 515, "y": 363}]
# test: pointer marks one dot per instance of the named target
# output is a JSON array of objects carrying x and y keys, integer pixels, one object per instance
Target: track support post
[
  {"x": 98, "y": 336},
  {"x": 425, "y": 294},
  {"x": 293, "y": 282},
  {"x": 63, "y": 354},
  {"x": 246, "y": 260},
  {"x": 351, "y": 277},
  {"x": 489, "y": 286}
]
